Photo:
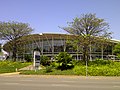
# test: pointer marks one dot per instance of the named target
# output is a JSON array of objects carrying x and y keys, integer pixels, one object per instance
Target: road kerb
[{"x": 14, "y": 73}]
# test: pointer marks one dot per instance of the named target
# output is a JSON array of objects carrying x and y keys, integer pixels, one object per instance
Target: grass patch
[
  {"x": 99, "y": 68},
  {"x": 43, "y": 72},
  {"x": 9, "y": 66},
  {"x": 95, "y": 68}
]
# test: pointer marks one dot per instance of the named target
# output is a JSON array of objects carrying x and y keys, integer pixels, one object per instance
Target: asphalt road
[{"x": 21, "y": 82}]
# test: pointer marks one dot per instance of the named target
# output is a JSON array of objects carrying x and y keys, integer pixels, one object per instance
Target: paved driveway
[{"x": 22, "y": 82}]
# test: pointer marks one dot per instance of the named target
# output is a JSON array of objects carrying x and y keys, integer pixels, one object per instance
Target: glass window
[{"x": 58, "y": 45}]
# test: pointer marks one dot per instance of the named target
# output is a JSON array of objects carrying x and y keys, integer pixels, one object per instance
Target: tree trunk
[
  {"x": 14, "y": 51},
  {"x": 85, "y": 55}
]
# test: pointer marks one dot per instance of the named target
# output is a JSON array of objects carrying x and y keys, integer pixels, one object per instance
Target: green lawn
[
  {"x": 9, "y": 66},
  {"x": 95, "y": 68},
  {"x": 54, "y": 72}
]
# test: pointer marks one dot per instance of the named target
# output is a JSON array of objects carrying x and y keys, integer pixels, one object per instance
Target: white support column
[
  {"x": 64, "y": 45},
  {"x": 42, "y": 47},
  {"x": 52, "y": 45}
]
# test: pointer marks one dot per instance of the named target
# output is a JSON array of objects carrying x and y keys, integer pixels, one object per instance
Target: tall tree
[
  {"x": 88, "y": 29},
  {"x": 11, "y": 31}
]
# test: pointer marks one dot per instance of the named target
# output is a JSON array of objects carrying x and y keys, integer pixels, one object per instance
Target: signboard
[{"x": 36, "y": 59}]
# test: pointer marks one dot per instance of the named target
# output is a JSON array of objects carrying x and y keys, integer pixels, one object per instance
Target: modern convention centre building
[{"x": 50, "y": 44}]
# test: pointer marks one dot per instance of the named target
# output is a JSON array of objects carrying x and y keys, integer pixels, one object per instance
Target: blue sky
[{"x": 47, "y": 15}]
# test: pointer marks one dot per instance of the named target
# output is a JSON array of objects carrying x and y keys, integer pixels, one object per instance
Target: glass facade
[
  {"x": 47, "y": 45},
  {"x": 58, "y": 45},
  {"x": 52, "y": 44}
]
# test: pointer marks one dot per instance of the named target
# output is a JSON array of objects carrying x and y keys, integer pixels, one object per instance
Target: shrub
[
  {"x": 97, "y": 69},
  {"x": 79, "y": 70},
  {"x": 103, "y": 71},
  {"x": 55, "y": 65},
  {"x": 64, "y": 59},
  {"x": 28, "y": 57},
  {"x": 99, "y": 62},
  {"x": 48, "y": 69},
  {"x": 45, "y": 61},
  {"x": 78, "y": 62}
]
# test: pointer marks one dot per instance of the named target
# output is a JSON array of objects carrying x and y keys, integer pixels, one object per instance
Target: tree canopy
[
  {"x": 11, "y": 31},
  {"x": 88, "y": 29}
]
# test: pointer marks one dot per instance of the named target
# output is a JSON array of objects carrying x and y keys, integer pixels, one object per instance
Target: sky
[{"x": 45, "y": 16}]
